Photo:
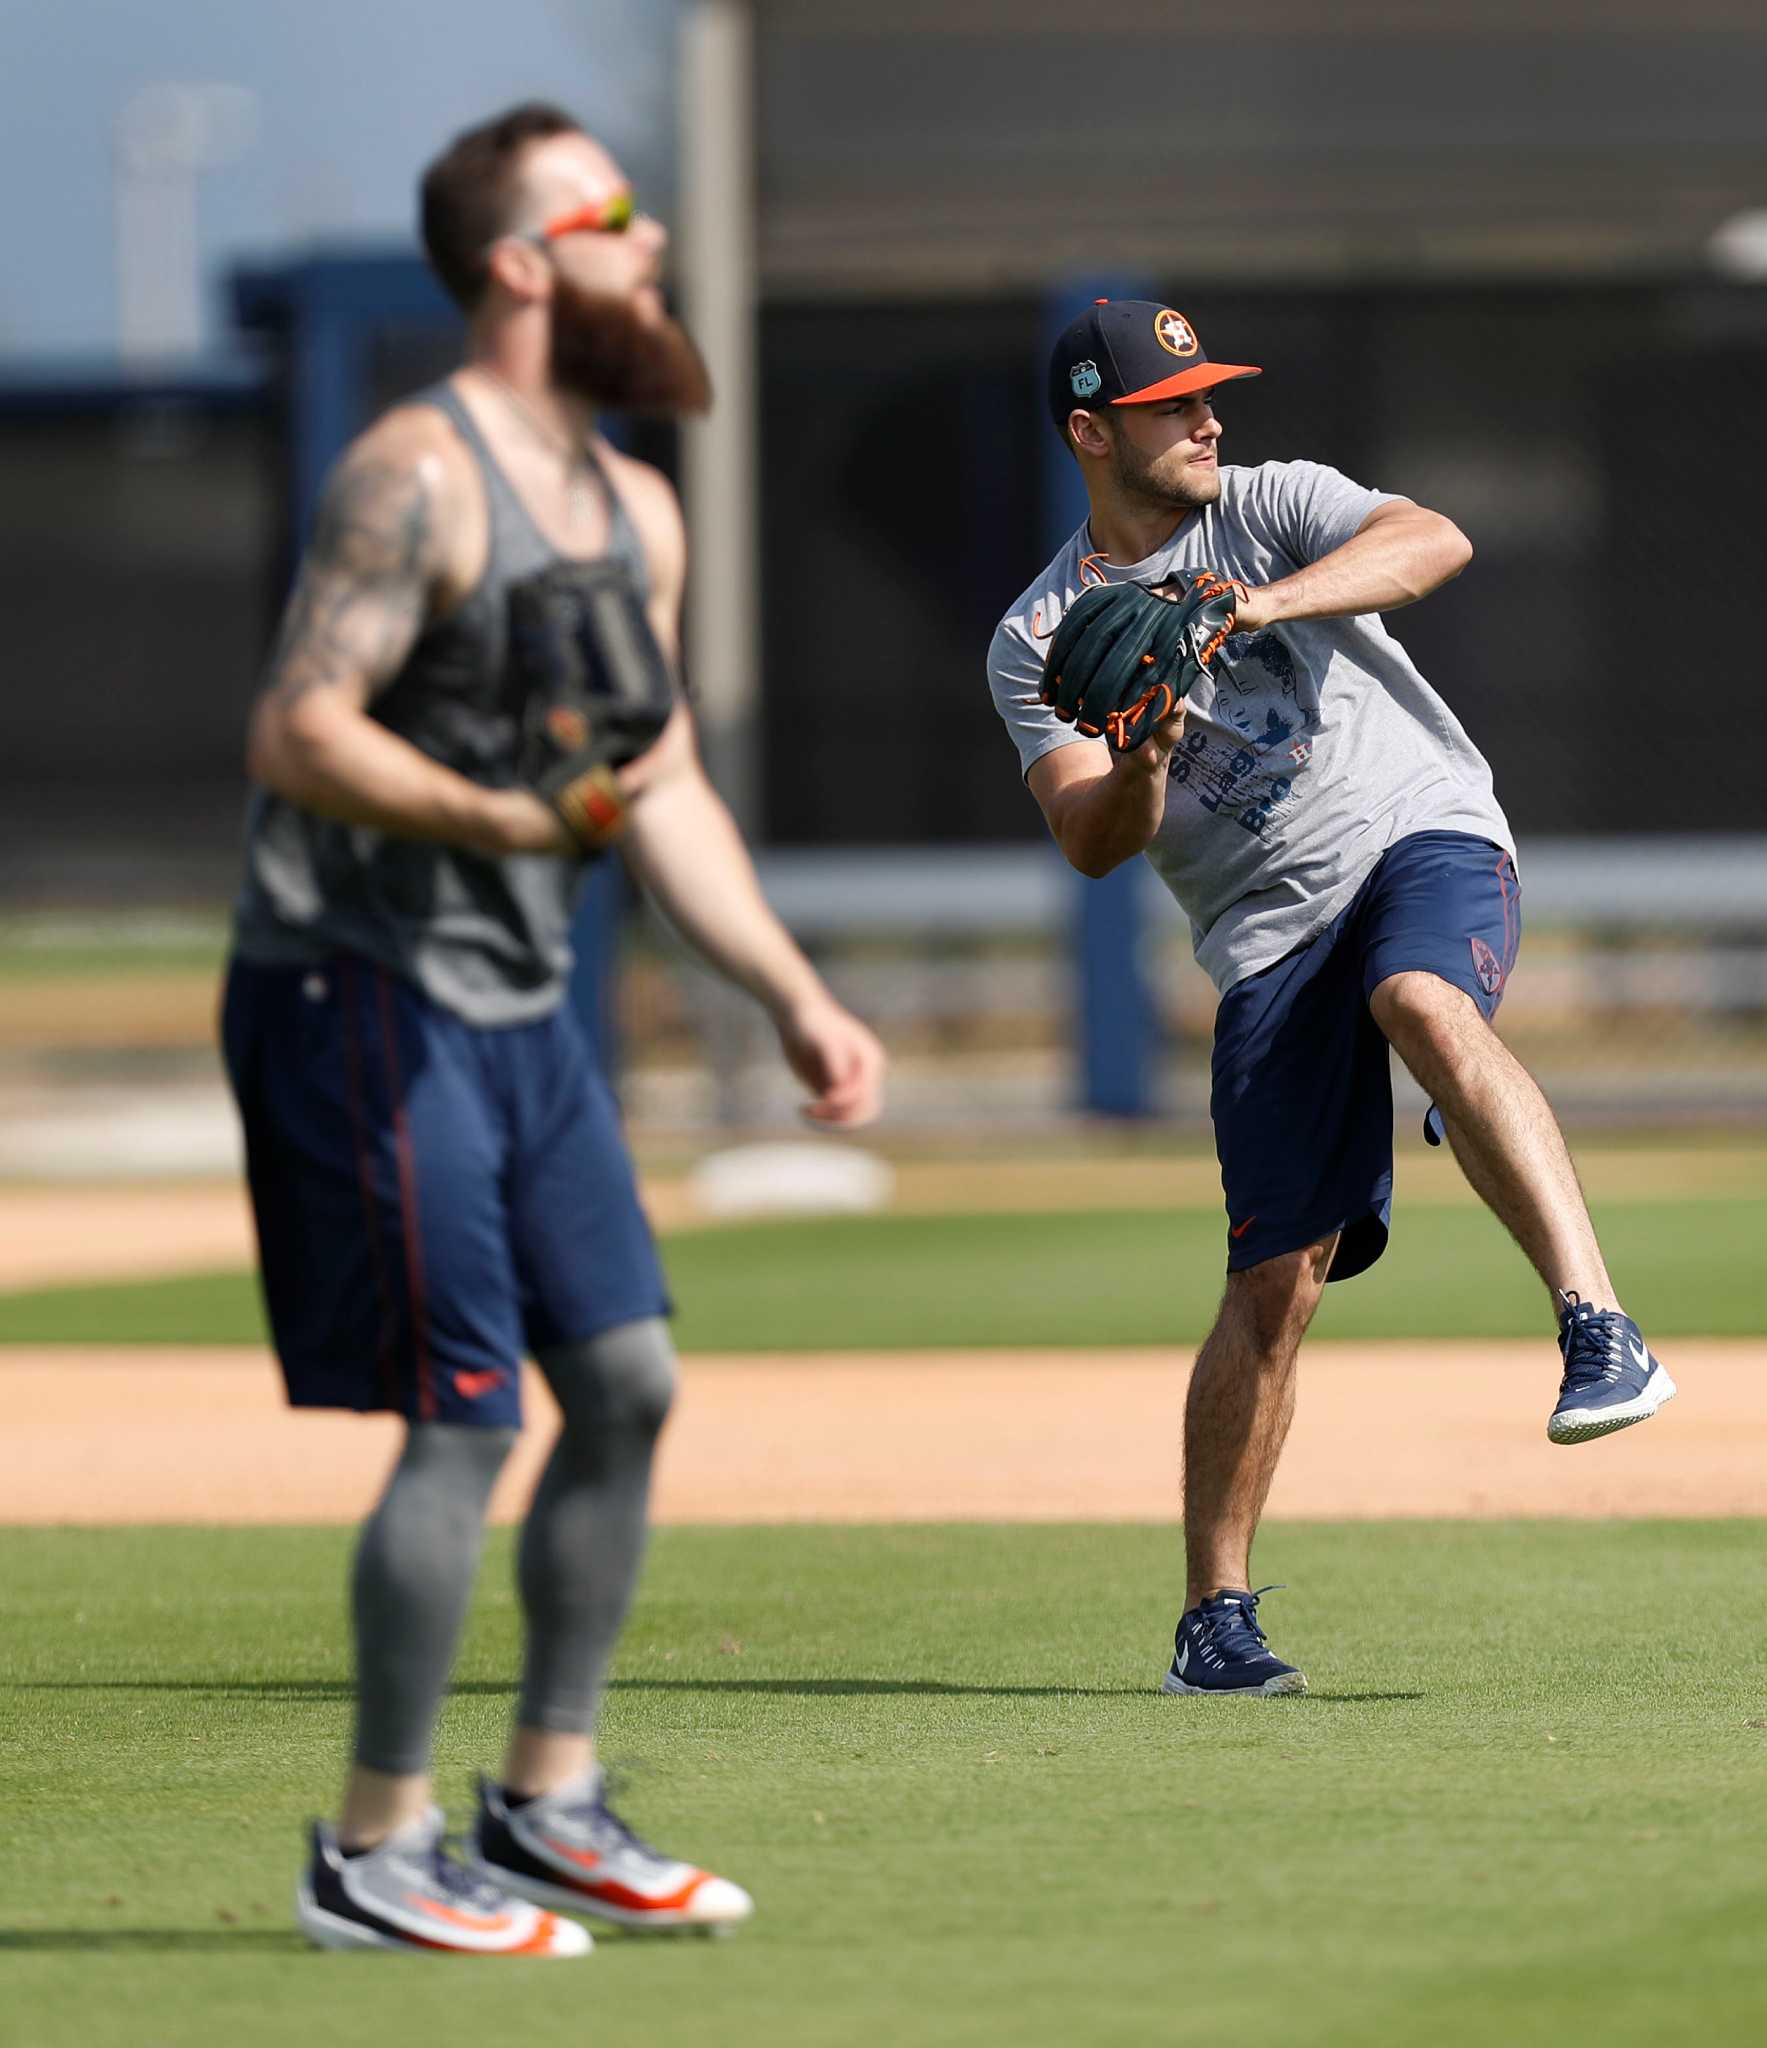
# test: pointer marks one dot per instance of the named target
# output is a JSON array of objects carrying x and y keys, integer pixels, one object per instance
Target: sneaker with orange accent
[
  {"x": 567, "y": 1848},
  {"x": 408, "y": 1892}
]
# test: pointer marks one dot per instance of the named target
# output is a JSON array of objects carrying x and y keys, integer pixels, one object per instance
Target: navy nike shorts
[
  {"x": 1302, "y": 1094},
  {"x": 434, "y": 1200}
]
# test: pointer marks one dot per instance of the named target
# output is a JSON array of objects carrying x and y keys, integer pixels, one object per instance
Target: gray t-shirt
[{"x": 1310, "y": 748}]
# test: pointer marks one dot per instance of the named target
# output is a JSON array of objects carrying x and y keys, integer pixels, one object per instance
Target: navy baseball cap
[{"x": 1130, "y": 352}]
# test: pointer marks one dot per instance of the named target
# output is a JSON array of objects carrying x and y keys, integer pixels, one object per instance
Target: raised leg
[{"x": 1501, "y": 1128}]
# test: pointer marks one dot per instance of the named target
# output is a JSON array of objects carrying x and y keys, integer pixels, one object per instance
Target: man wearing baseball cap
[
  {"x": 1202, "y": 676},
  {"x": 1130, "y": 352}
]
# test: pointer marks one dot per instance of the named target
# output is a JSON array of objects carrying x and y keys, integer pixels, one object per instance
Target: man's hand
[
  {"x": 517, "y": 821},
  {"x": 1126, "y": 655},
  {"x": 836, "y": 1058},
  {"x": 1164, "y": 738},
  {"x": 593, "y": 686}
]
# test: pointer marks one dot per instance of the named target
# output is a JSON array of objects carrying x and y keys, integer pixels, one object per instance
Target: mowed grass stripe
[
  {"x": 937, "y": 1757},
  {"x": 889, "y": 1282}
]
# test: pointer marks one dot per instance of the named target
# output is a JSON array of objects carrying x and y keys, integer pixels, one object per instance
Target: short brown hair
[{"x": 468, "y": 193}]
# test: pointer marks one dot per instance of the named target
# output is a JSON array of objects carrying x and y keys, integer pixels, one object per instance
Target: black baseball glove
[
  {"x": 1126, "y": 654},
  {"x": 590, "y": 687}
]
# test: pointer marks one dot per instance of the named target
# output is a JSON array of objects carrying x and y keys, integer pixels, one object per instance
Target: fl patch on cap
[{"x": 1130, "y": 352}]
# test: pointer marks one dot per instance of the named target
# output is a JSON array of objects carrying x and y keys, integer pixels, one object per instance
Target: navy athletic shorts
[
  {"x": 1302, "y": 1095},
  {"x": 434, "y": 1200}
]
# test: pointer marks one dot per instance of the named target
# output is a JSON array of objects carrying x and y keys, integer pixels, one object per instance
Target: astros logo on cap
[{"x": 1174, "y": 333}]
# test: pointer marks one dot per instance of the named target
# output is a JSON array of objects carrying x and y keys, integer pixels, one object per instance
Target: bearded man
[{"x": 438, "y": 1174}]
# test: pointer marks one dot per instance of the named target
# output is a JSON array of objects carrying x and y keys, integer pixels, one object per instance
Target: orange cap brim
[{"x": 1199, "y": 377}]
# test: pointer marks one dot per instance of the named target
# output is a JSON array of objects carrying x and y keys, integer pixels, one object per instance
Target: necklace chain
[{"x": 578, "y": 467}]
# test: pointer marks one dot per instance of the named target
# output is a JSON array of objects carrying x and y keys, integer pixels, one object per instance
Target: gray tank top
[{"x": 484, "y": 935}]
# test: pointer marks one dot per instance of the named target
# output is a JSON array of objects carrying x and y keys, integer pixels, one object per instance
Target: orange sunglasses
[{"x": 610, "y": 216}]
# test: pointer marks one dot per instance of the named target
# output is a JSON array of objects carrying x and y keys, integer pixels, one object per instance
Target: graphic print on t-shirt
[{"x": 1252, "y": 780}]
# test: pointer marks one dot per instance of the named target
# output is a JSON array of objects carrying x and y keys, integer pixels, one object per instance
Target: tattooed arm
[{"x": 382, "y": 554}]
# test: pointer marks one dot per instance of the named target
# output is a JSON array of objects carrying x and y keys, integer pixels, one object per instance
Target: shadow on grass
[
  {"x": 152, "y": 1940},
  {"x": 232, "y": 1688},
  {"x": 794, "y": 1688},
  {"x": 1361, "y": 1699},
  {"x": 849, "y": 1688},
  {"x": 809, "y": 1688}
]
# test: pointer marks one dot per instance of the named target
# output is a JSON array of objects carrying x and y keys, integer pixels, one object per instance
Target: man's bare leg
[
  {"x": 1237, "y": 1416},
  {"x": 379, "y": 1803},
  {"x": 540, "y": 1759},
  {"x": 1501, "y": 1128}
]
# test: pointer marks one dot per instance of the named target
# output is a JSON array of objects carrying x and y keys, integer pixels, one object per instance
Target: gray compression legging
[{"x": 577, "y": 1565}]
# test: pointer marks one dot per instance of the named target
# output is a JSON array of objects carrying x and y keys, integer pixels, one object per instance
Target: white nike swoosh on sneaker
[
  {"x": 1183, "y": 1660},
  {"x": 1640, "y": 1354}
]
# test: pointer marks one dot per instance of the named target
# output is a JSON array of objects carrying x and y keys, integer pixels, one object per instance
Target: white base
[
  {"x": 1272, "y": 1688},
  {"x": 328, "y": 1930},
  {"x": 1580, "y": 1425},
  {"x": 563, "y": 1900}
]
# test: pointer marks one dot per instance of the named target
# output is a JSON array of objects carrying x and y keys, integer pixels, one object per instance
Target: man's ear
[
  {"x": 1086, "y": 432},
  {"x": 519, "y": 268}
]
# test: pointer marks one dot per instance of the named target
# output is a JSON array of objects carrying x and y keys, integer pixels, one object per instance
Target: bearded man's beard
[
  {"x": 604, "y": 349},
  {"x": 1134, "y": 475}
]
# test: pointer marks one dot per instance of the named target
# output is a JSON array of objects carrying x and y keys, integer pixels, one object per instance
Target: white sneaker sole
[
  {"x": 1580, "y": 1425},
  {"x": 1272, "y": 1688},
  {"x": 563, "y": 1900},
  {"x": 330, "y": 1931}
]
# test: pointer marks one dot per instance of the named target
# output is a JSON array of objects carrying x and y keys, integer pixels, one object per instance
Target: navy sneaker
[
  {"x": 1220, "y": 1648},
  {"x": 1611, "y": 1380}
]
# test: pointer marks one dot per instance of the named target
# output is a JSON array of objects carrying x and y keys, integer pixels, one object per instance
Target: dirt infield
[
  {"x": 1383, "y": 1430},
  {"x": 123, "y": 1436}
]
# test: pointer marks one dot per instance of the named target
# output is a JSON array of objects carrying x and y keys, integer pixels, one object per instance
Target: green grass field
[
  {"x": 109, "y": 946},
  {"x": 1523, "y": 1804},
  {"x": 1692, "y": 1268}
]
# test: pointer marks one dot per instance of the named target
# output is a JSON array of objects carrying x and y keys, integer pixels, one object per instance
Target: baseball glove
[
  {"x": 590, "y": 687},
  {"x": 1126, "y": 654}
]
